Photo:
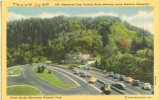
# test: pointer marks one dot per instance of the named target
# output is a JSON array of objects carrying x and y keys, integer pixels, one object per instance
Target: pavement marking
[
  {"x": 143, "y": 90},
  {"x": 80, "y": 79},
  {"x": 111, "y": 82},
  {"x": 132, "y": 91},
  {"x": 126, "y": 88},
  {"x": 39, "y": 87},
  {"x": 98, "y": 76},
  {"x": 97, "y": 73},
  {"x": 68, "y": 77},
  {"x": 16, "y": 66},
  {"x": 34, "y": 83},
  {"x": 24, "y": 73},
  {"x": 12, "y": 75}
]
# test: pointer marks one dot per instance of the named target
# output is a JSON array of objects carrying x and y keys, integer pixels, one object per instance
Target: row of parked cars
[
  {"x": 106, "y": 88},
  {"x": 146, "y": 86}
]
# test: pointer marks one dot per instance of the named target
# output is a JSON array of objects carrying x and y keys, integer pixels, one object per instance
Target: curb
[{"x": 50, "y": 83}]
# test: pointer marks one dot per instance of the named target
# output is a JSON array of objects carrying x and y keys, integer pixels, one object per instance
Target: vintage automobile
[
  {"x": 111, "y": 74},
  {"x": 71, "y": 68},
  {"x": 83, "y": 75},
  {"x": 106, "y": 75},
  {"x": 76, "y": 72},
  {"x": 117, "y": 76},
  {"x": 120, "y": 86},
  {"x": 147, "y": 86},
  {"x": 136, "y": 83},
  {"x": 122, "y": 77},
  {"x": 92, "y": 80},
  {"x": 129, "y": 80},
  {"x": 104, "y": 71},
  {"x": 106, "y": 88}
]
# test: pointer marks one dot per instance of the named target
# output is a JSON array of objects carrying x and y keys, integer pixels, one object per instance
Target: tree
[
  {"x": 134, "y": 46},
  {"x": 124, "y": 45}
]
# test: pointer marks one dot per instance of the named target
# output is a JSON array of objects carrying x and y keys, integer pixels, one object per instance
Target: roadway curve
[{"x": 27, "y": 77}]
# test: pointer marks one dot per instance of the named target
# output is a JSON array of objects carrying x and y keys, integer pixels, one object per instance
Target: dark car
[
  {"x": 70, "y": 68},
  {"x": 111, "y": 74},
  {"x": 120, "y": 86},
  {"x": 122, "y": 77},
  {"x": 86, "y": 68},
  {"x": 136, "y": 83},
  {"x": 83, "y": 75}
]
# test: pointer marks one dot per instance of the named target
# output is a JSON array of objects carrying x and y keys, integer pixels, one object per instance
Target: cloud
[
  {"x": 145, "y": 25},
  {"x": 142, "y": 19},
  {"x": 140, "y": 15},
  {"x": 50, "y": 15},
  {"x": 98, "y": 14},
  {"x": 15, "y": 16}
]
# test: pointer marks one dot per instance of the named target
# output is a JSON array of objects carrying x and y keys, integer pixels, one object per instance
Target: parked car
[
  {"x": 117, "y": 76},
  {"x": 104, "y": 71},
  {"x": 83, "y": 75},
  {"x": 147, "y": 86},
  {"x": 106, "y": 88},
  {"x": 70, "y": 67},
  {"x": 111, "y": 74},
  {"x": 86, "y": 68},
  {"x": 120, "y": 86},
  {"x": 92, "y": 80},
  {"x": 136, "y": 83},
  {"x": 129, "y": 80},
  {"x": 76, "y": 72},
  {"x": 122, "y": 77}
]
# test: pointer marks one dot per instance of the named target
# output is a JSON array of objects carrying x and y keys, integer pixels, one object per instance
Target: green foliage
[
  {"x": 14, "y": 72},
  {"x": 52, "y": 79},
  {"x": 121, "y": 47},
  {"x": 23, "y": 90}
]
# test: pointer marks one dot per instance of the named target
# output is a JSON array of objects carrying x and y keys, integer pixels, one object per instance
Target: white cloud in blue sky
[{"x": 140, "y": 17}]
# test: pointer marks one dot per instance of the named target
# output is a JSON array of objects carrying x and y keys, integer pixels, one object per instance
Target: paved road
[
  {"x": 101, "y": 76},
  {"x": 27, "y": 77},
  {"x": 96, "y": 86},
  {"x": 129, "y": 88}
]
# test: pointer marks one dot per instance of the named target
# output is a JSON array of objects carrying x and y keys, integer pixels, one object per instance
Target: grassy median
[
  {"x": 23, "y": 90},
  {"x": 14, "y": 72},
  {"x": 52, "y": 79}
]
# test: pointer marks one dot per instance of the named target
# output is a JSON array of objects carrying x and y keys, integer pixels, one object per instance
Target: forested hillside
[{"x": 121, "y": 47}]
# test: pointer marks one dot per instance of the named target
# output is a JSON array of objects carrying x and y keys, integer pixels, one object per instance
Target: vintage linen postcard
[{"x": 72, "y": 49}]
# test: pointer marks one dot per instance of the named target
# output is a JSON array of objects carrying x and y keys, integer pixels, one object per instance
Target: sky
[{"x": 138, "y": 16}]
